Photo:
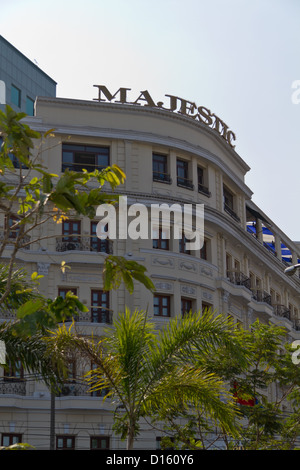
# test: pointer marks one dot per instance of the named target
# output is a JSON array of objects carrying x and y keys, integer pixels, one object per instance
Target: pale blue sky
[{"x": 239, "y": 58}]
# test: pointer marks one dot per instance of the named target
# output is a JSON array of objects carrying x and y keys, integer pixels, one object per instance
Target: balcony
[
  {"x": 231, "y": 212},
  {"x": 11, "y": 386},
  {"x": 261, "y": 296},
  {"x": 84, "y": 244},
  {"x": 203, "y": 190},
  {"x": 185, "y": 183},
  {"x": 282, "y": 311},
  {"x": 239, "y": 279},
  {"x": 162, "y": 177},
  {"x": 12, "y": 240},
  {"x": 96, "y": 314}
]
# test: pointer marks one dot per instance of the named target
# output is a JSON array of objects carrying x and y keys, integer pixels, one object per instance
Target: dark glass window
[
  {"x": 65, "y": 442},
  {"x": 100, "y": 307},
  {"x": 161, "y": 305},
  {"x": 160, "y": 168},
  {"x": 186, "y": 306},
  {"x": 99, "y": 442},
  {"x": 71, "y": 230},
  {"x": 183, "y": 174},
  {"x": 97, "y": 244},
  {"x": 79, "y": 157},
  {"x": 16, "y": 96},
  {"x": 160, "y": 239},
  {"x": 8, "y": 439},
  {"x": 29, "y": 106}
]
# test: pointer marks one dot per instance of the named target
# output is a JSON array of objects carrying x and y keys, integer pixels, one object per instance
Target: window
[
  {"x": 29, "y": 106},
  {"x": 161, "y": 305},
  {"x": 186, "y": 306},
  {"x": 79, "y": 157},
  {"x": 160, "y": 168},
  {"x": 65, "y": 442},
  {"x": 183, "y": 174},
  {"x": 71, "y": 230},
  {"x": 203, "y": 250},
  {"x": 8, "y": 439},
  {"x": 229, "y": 203},
  {"x": 206, "y": 307},
  {"x": 99, "y": 443},
  {"x": 160, "y": 238},
  {"x": 182, "y": 245},
  {"x": 10, "y": 223},
  {"x": 16, "y": 96},
  {"x": 62, "y": 291},
  {"x": 14, "y": 372},
  {"x": 97, "y": 244},
  {"x": 100, "y": 307},
  {"x": 202, "y": 188}
]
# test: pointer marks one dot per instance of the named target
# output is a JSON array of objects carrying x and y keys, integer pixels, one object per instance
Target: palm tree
[{"x": 148, "y": 370}]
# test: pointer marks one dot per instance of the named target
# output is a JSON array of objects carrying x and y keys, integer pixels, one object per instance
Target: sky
[{"x": 239, "y": 58}]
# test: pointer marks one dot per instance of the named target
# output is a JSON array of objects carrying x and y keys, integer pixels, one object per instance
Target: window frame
[
  {"x": 160, "y": 306},
  {"x": 14, "y": 89},
  {"x": 84, "y": 150},
  {"x": 65, "y": 438},
  {"x": 159, "y": 163},
  {"x": 98, "y": 439},
  {"x": 11, "y": 436},
  {"x": 98, "y": 311}
]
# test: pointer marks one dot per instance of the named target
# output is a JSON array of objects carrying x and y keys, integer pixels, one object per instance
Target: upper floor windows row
[{"x": 161, "y": 173}]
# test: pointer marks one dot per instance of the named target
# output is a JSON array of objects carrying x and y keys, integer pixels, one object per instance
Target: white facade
[{"x": 167, "y": 157}]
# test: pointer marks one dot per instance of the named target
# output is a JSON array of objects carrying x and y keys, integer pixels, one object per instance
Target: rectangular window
[
  {"x": 202, "y": 187},
  {"x": 88, "y": 157},
  {"x": 183, "y": 174},
  {"x": 160, "y": 168},
  {"x": 161, "y": 305},
  {"x": 182, "y": 245},
  {"x": 71, "y": 230},
  {"x": 97, "y": 244},
  {"x": 100, "y": 307},
  {"x": 15, "y": 161},
  {"x": 186, "y": 306},
  {"x": 228, "y": 197},
  {"x": 8, "y": 439},
  {"x": 160, "y": 238},
  {"x": 29, "y": 106},
  {"x": 16, "y": 96},
  {"x": 65, "y": 442},
  {"x": 99, "y": 443},
  {"x": 14, "y": 372},
  {"x": 203, "y": 250}
]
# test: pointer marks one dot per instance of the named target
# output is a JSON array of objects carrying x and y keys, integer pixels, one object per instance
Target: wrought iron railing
[
  {"x": 161, "y": 177},
  {"x": 239, "y": 279},
  {"x": 184, "y": 182},
  {"x": 79, "y": 243},
  {"x": 11, "y": 386},
  {"x": 231, "y": 212},
  {"x": 261, "y": 296},
  {"x": 203, "y": 189},
  {"x": 282, "y": 311}
]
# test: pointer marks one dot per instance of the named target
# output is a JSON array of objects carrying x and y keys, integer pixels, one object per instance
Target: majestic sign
[{"x": 175, "y": 104}]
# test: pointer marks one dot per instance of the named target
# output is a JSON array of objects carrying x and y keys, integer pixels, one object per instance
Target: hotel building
[{"x": 169, "y": 155}]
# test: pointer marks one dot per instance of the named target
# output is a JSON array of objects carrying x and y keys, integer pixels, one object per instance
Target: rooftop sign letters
[{"x": 175, "y": 104}]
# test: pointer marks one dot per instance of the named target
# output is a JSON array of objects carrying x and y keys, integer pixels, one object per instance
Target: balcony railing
[
  {"x": 203, "y": 189},
  {"x": 94, "y": 244},
  {"x": 184, "y": 183},
  {"x": 261, "y": 296},
  {"x": 12, "y": 386},
  {"x": 12, "y": 239},
  {"x": 282, "y": 311},
  {"x": 239, "y": 279},
  {"x": 96, "y": 314},
  {"x": 162, "y": 177},
  {"x": 231, "y": 212}
]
